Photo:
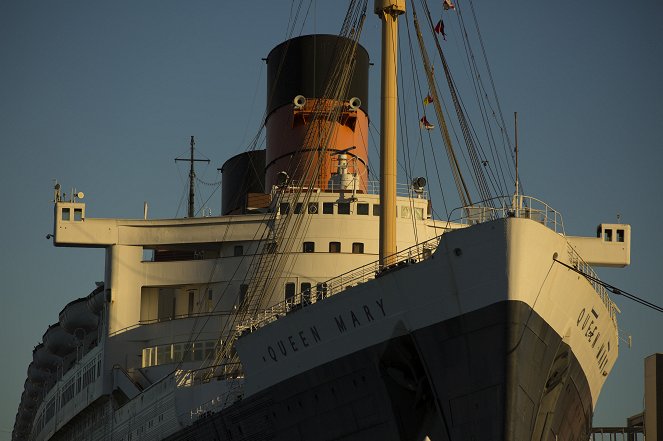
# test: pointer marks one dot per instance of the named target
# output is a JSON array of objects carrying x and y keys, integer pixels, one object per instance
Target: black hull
[{"x": 499, "y": 373}]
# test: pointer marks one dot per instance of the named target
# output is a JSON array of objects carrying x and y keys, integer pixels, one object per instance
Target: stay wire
[
  {"x": 419, "y": 100},
  {"x": 484, "y": 103},
  {"x": 613, "y": 289}
]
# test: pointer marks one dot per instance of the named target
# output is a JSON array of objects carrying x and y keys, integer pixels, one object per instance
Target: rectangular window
[
  {"x": 269, "y": 248},
  {"x": 334, "y": 247},
  {"x": 308, "y": 247},
  {"x": 327, "y": 208},
  {"x": 306, "y": 293},
  {"x": 376, "y": 209},
  {"x": 406, "y": 212},
  {"x": 209, "y": 349},
  {"x": 239, "y": 250},
  {"x": 289, "y": 291},
  {"x": 418, "y": 213},
  {"x": 620, "y": 235},
  {"x": 66, "y": 214},
  {"x": 344, "y": 208},
  {"x": 177, "y": 352},
  {"x": 607, "y": 235},
  {"x": 362, "y": 209},
  {"x": 298, "y": 208},
  {"x": 198, "y": 351},
  {"x": 243, "y": 289},
  {"x": 320, "y": 291},
  {"x": 312, "y": 208},
  {"x": 78, "y": 214},
  {"x": 191, "y": 301},
  {"x": 358, "y": 248},
  {"x": 284, "y": 208}
]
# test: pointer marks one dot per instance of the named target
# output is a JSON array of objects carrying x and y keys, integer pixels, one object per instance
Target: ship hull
[{"x": 497, "y": 373}]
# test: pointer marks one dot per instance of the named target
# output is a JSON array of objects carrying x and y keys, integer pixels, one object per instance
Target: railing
[
  {"x": 193, "y": 377},
  {"x": 510, "y": 206},
  {"x": 231, "y": 396},
  {"x": 635, "y": 433},
  {"x": 372, "y": 187},
  {"x": 582, "y": 266},
  {"x": 168, "y": 319},
  {"x": 412, "y": 255}
]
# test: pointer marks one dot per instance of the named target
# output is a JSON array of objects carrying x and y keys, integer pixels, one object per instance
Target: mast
[
  {"x": 192, "y": 178},
  {"x": 388, "y": 11},
  {"x": 515, "y": 123}
]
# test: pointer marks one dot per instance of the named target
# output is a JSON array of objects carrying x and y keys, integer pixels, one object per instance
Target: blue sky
[{"x": 103, "y": 97}]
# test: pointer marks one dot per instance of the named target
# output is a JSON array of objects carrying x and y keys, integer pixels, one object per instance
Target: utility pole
[{"x": 192, "y": 177}]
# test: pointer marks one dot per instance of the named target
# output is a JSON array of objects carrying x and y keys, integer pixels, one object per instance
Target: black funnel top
[{"x": 303, "y": 65}]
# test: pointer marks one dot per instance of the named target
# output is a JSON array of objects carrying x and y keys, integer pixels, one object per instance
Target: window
[
  {"x": 177, "y": 352},
  {"x": 298, "y": 208},
  {"x": 66, "y": 214},
  {"x": 243, "y": 289},
  {"x": 376, "y": 209},
  {"x": 191, "y": 301},
  {"x": 210, "y": 305},
  {"x": 269, "y": 248},
  {"x": 334, "y": 247},
  {"x": 358, "y": 248},
  {"x": 362, "y": 209},
  {"x": 209, "y": 349},
  {"x": 306, "y": 293},
  {"x": 327, "y": 208},
  {"x": 312, "y": 208},
  {"x": 620, "y": 235},
  {"x": 78, "y": 214},
  {"x": 284, "y": 208},
  {"x": 607, "y": 235},
  {"x": 344, "y": 208},
  {"x": 289, "y": 291},
  {"x": 239, "y": 250},
  {"x": 406, "y": 212},
  {"x": 308, "y": 247},
  {"x": 418, "y": 213},
  {"x": 320, "y": 291}
]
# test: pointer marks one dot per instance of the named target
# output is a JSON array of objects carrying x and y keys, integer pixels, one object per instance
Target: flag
[
  {"x": 424, "y": 124},
  {"x": 439, "y": 29},
  {"x": 448, "y": 5},
  {"x": 428, "y": 100}
]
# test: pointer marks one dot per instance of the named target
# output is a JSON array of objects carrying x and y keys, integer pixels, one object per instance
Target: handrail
[
  {"x": 372, "y": 187},
  {"x": 501, "y": 207},
  {"x": 579, "y": 264},
  {"x": 223, "y": 371},
  {"x": 168, "y": 319},
  {"x": 340, "y": 283}
]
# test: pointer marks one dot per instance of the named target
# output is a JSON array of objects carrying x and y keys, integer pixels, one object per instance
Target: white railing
[
  {"x": 511, "y": 206},
  {"x": 232, "y": 395},
  {"x": 372, "y": 187},
  {"x": 409, "y": 256},
  {"x": 582, "y": 266}
]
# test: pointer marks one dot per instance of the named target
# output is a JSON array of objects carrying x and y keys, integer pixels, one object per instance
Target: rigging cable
[
  {"x": 405, "y": 147},
  {"x": 492, "y": 82},
  {"x": 461, "y": 187},
  {"x": 480, "y": 179},
  {"x": 611, "y": 288},
  {"x": 419, "y": 99},
  {"x": 483, "y": 103}
]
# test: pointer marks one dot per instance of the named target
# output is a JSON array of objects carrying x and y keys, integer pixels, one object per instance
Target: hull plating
[{"x": 498, "y": 373}]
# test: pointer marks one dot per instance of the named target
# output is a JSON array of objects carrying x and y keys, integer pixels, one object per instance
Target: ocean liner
[{"x": 317, "y": 307}]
